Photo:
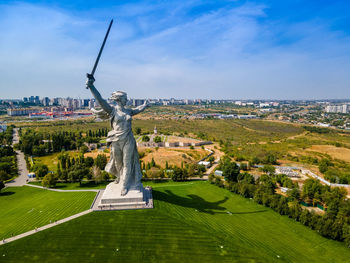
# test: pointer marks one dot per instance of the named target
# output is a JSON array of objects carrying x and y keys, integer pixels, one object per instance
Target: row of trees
[
  {"x": 8, "y": 160},
  {"x": 186, "y": 171},
  {"x": 333, "y": 173},
  {"x": 335, "y": 223},
  {"x": 72, "y": 169},
  {"x": 6, "y": 136},
  {"x": 40, "y": 144},
  {"x": 8, "y": 163}
]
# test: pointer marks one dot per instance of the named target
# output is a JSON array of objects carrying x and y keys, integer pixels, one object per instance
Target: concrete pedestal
[{"x": 135, "y": 199}]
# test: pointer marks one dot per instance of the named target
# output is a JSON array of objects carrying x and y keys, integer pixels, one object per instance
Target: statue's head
[{"x": 120, "y": 97}]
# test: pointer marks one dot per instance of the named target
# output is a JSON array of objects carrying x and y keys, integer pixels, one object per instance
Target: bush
[
  {"x": 157, "y": 139},
  {"x": 49, "y": 180},
  {"x": 40, "y": 170},
  {"x": 230, "y": 171},
  {"x": 101, "y": 161},
  {"x": 84, "y": 149},
  {"x": 145, "y": 138}
]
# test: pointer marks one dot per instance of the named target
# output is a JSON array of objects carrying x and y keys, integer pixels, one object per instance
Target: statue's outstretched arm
[
  {"x": 140, "y": 108},
  {"x": 103, "y": 103}
]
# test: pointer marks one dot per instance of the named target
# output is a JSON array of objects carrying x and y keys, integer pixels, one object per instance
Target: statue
[{"x": 124, "y": 159}]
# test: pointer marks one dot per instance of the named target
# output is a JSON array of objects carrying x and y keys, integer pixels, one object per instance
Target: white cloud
[{"x": 224, "y": 53}]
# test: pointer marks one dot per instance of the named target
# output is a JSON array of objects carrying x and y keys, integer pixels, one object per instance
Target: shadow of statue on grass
[
  {"x": 191, "y": 201},
  {"x": 6, "y": 193},
  {"x": 198, "y": 203}
]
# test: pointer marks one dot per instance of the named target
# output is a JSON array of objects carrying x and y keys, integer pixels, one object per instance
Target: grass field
[
  {"x": 24, "y": 208},
  {"x": 191, "y": 222},
  {"x": 52, "y": 160},
  {"x": 174, "y": 156},
  {"x": 340, "y": 153}
]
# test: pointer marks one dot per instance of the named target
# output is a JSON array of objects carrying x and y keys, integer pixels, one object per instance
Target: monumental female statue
[{"x": 124, "y": 159}]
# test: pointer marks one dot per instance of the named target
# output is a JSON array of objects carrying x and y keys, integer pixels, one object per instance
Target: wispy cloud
[{"x": 172, "y": 50}]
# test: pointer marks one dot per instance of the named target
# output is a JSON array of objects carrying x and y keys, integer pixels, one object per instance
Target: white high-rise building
[{"x": 337, "y": 108}]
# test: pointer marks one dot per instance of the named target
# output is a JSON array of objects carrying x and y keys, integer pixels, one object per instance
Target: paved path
[
  {"x": 22, "y": 166},
  {"x": 212, "y": 168},
  {"x": 60, "y": 190},
  {"x": 31, "y": 232}
]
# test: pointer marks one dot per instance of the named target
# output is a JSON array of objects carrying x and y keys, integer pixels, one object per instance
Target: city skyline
[{"x": 235, "y": 50}]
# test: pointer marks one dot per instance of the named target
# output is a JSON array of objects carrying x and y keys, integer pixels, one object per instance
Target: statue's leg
[
  {"x": 118, "y": 161},
  {"x": 128, "y": 151}
]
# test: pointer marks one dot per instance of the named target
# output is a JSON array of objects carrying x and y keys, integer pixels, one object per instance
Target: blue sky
[{"x": 289, "y": 49}]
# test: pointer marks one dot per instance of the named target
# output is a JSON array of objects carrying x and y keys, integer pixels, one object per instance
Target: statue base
[{"x": 112, "y": 199}]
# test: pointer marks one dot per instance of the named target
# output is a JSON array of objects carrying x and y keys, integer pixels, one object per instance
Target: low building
[
  {"x": 171, "y": 144},
  {"x": 218, "y": 173},
  {"x": 287, "y": 171},
  {"x": 205, "y": 164},
  {"x": 22, "y": 111}
]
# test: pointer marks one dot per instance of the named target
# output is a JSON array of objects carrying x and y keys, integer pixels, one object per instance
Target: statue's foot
[
  {"x": 116, "y": 180},
  {"x": 124, "y": 192}
]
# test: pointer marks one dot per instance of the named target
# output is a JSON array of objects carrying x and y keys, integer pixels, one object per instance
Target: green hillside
[
  {"x": 191, "y": 222},
  {"x": 24, "y": 208}
]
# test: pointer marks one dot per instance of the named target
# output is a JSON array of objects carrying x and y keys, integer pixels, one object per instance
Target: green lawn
[
  {"x": 191, "y": 222},
  {"x": 52, "y": 159},
  {"x": 24, "y": 208}
]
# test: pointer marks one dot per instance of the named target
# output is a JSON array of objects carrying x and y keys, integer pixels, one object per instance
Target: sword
[{"x": 91, "y": 75}]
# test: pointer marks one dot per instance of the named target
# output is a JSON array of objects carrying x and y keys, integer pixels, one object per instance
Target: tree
[
  {"x": 178, "y": 174},
  {"x": 40, "y": 170},
  {"x": 157, "y": 139},
  {"x": 324, "y": 164},
  {"x": 269, "y": 169},
  {"x": 84, "y": 149},
  {"x": 294, "y": 193},
  {"x": 2, "y": 185},
  {"x": 59, "y": 171},
  {"x": 230, "y": 171},
  {"x": 244, "y": 167},
  {"x": 153, "y": 163},
  {"x": 49, "y": 180},
  {"x": 101, "y": 161},
  {"x": 138, "y": 130},
  {"x": 4, "y": 176},
  {"x": 78, "y": 172},
  {"x": 270, "y": 159},
  {"x": 211, "y": 159},
  {"x": 96, "y": 174},
  {"x": 145, "y": 138},
  {"x": 89, "y": 161}
]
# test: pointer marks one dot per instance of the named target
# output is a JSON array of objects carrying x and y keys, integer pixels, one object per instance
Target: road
[{"x": 22, "y": 167}]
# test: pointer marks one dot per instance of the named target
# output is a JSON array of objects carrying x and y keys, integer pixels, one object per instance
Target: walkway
[
  {"x": 60, "y": 190},
  {"x": 213, "y": 167},
  {"x": 31, "y": 232},
  {"x": 22, "y": 166}
]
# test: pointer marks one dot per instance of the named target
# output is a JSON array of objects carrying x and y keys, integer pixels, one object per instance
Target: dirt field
[
  {"x": 335, "y": 152},
  {"x": 174, "y": 156},
  {"x": 94, "y": 154}
]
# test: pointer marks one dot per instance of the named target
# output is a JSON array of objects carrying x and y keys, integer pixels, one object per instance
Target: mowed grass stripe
[
  {"x": 24, "y": 208},
  {"x": 129, "y": 240}
]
